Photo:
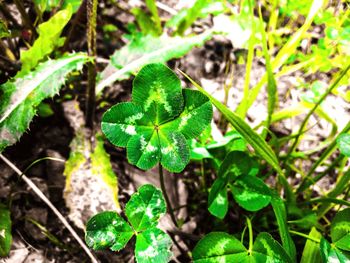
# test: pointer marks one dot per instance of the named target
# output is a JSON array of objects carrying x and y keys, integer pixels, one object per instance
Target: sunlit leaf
[
  {"x": 108, "y": 230},
  {"x": 145, "y": 207},
  {"x": 217, "y": 200},
  {"x": 20, "y": 98},
  {"x": 144, "y": 50},
  {"x": 311, "y": 250},
  {"x": 49, "y": 39},
  {"x": 343, "y": 142},
  {"x": 153, "y": 246},
  {"x": 156, "y": 124},
  {"x": 5, "y": 231},
  {"x": 219, "y": 247}
]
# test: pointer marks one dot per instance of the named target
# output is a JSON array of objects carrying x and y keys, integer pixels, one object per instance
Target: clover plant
[
  {"x": 238, "y": 172},
  {"x": 145, "y": 207},
  {"x": 156, "y": 125}
]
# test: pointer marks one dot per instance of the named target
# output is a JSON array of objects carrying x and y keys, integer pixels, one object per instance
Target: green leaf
[
  {"x": 330, "y": 253},
  {"x": 251, "y": 193},
  {"x": 45, "y": 110},
  {"x": 101, "y": 167},
  {"x": 145, "y": 22},
  {"x": 21, "y": 97},
  {"x": 48, "y": 5},
  {"x": 340, "y": 230},
  {"x": 281, "y": 216},
  {"x": 195, "y": 116},
  {"x": 267, "y": 249},
  {"x": 217, "y": 247},
  {"x": 155, "y": 126},
  {"x": 151, "y": 4},
  {"x": 4, "y": 32},
  {"x": 238, "y": 163},
  {"x": 145, "y": 207},
  {"x": 153, "y": 246},
  {"x": 217, "y": 200},
  {"x": 119, "y": 123},
  {"x": 311, "y": 252},
  {"x": 343, "y": 142},
  {"x": 144, "y": 50},
  {"x": 174, "y": 149},
  {"x": 49, "y": 39},
  {"x": 108, "y": 230},
  {"x": 158, "y": 90},
  {"x": 5, "y": 231}
]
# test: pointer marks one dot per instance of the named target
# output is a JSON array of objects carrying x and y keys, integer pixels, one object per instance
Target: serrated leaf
[
  {"x": 144, "y": 50},
  {"x": 5, "y": 231},
  {"x": 330, "y": 253},
  {"x": 108, "y": 230},
  {"x": 267, "y": 249},
  {"x": 153, "y": 246},
  {"x": 340, "y": 230},
  {"x": 102, "y": 168},
  {"x": 155, "y": 125},
  {"x": 343, "y": 142},
  {"x": 145, "y": 207},
  {"x": 49, "y": 39},
  {"x": 251, "y": 193},
  {"x": 217, "y": 200},
  {"x": 21, "y": 97},
  {"x": 219, "y": 247}
]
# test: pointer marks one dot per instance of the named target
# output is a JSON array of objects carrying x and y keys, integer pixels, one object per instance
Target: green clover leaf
[
  {"x": 143, "y": 211},
  {"x": 156, "y": 125}
]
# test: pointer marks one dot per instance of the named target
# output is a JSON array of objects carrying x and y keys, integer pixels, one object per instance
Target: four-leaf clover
[{"x": 156, "y": 125}]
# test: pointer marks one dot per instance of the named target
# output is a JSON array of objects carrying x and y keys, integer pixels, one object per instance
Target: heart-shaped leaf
[
  {"x": 251, "y": 193},
  {"x": 108, "y": 230},
  {"x": 217, "y": 200},
  {"x": 153, "y": 245},
  {"x": 156, "y": 125},
  {"x": 340, "y": 230},
  {"x": 145, "y": 207},
  {"x": 267, "y": 249},
  {"x": 5, "y": 231},
  {"x": 219, "y": 247}
]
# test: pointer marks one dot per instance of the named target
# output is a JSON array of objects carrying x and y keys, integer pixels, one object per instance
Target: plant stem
[
  {"x": 250, "y": 231},
  {"x": 304, "y": 235},
  {"x": 25, "y": 17},
  {"x": 162, "y": 185},
  {"x": 91, "y": 6}
]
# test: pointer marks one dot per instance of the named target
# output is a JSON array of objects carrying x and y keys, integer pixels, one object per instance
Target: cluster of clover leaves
[
  {"x": 145, "y": 207},
  {"x": 161, "y": 118}
]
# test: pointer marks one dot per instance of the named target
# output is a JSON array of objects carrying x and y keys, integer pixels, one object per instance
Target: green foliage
[
  {"x": 48, "y": 40},
  {"x": 331, "y": 253},
  {"x": 144, "y": 209},
  {"x": 49, "y": 5},
  {"x": 5, "y": 231},
  {"x": 340, "y": 230},
  {"x": 200, "y": 9},
  {"x": 156, "y": 124},
  {"x": 222, "y": 247},
  {"x": 20, "y": 98},
  {"x": 4, "y": 32},
  {"x": 311, "y": 252},
  {"x": 143, "y": 50},
  {"x": 343, "y": 142}
]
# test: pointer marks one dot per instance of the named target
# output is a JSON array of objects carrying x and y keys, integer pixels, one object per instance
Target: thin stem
[
  {"x": 162, "y": 185},
  {"x": 41, "y": 195},
  {"x": 250, "y": 231},
  {"x": 303, "y": 124},
  {"x": 91, "y": 39},
  {"x": 304, "y": 235}
]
